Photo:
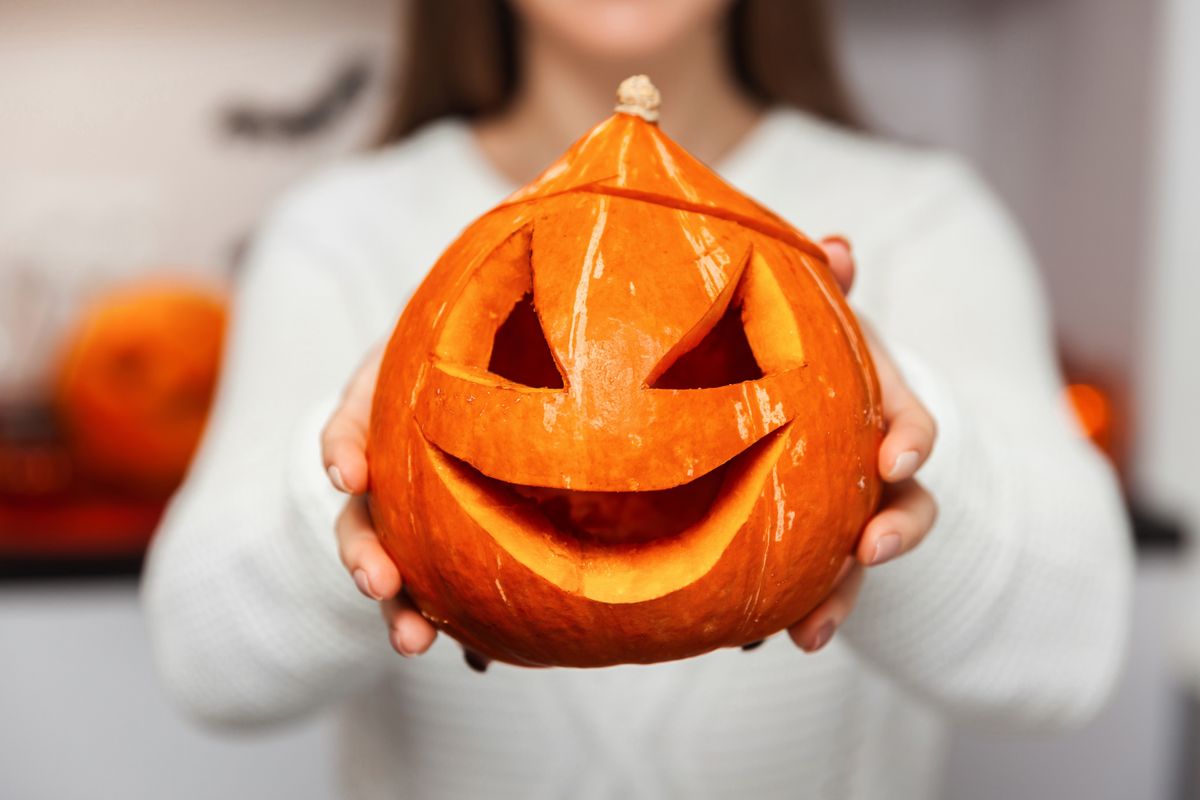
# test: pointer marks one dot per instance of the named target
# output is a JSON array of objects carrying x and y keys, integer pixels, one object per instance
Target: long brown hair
[{"x": 460, "y": 59}]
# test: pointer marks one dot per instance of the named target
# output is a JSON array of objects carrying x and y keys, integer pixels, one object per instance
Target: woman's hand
[
  {"x": 344, "y": 449},
  {"x": 907, "y": 512}
]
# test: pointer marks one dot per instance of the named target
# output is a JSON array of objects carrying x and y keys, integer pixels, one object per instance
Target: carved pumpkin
[
  {"x": 136, "y": 383},
  {"x": 628, "y": 416}
]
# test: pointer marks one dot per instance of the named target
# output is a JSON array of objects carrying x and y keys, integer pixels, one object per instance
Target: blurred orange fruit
[{"x": 137, "y": 380}]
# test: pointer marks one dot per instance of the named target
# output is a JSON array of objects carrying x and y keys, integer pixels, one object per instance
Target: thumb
[
  {"x": 344, "y": 440},
  {"x": 841, "y": 260}
]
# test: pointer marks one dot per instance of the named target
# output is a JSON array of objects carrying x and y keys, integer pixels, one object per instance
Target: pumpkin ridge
[
  {"x": 781, "y": 234},
  {"x": 777, "y": 232}
]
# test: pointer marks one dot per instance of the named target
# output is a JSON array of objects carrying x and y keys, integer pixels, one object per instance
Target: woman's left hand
[{"x": 907, "y": 511}]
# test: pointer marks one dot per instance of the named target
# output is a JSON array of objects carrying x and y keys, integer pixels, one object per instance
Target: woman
[{"x": 1013, "y": 610}]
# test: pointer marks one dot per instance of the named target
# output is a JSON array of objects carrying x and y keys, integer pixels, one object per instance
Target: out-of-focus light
[{"x": 1094, "y": 411}]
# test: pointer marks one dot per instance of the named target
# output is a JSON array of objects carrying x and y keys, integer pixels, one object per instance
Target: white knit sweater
[{"x": 1013, "y": 611}]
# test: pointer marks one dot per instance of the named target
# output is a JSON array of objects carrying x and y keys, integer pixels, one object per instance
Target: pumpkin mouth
[
  {"x": 614, "y": 518},
  {"x": 616, "y": 547}
]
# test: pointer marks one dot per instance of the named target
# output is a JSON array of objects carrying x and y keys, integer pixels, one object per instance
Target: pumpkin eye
[
  {"x": 493, "y": 325},
  {"x": 756, "y": 335},
  {"x": 520, "y": 352},
  {"x": 721, "y": 358}
]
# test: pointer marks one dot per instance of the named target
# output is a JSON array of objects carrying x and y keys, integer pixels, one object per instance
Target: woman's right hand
[{"x": 344, "y": 450}]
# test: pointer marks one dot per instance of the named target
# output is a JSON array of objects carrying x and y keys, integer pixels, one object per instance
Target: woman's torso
[
  {"x": 772, "y": 722},
  {"x": 767, "y": 723}
]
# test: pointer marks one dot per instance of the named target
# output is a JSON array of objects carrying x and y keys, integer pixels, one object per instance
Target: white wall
[
  {"x": 1168, "y": 460},
  {"x": 1050, "y": 100},
  {"x": 113, "y": 161},
  {"x": 82, "y": 715}
]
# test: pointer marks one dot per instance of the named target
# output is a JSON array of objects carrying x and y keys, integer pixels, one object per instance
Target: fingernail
[
  {"x": 887, "y": 547},
  {"x": 335, "y": 477},
  {"x": 842, "y": 240},
  {"x": 753, "y": 645},
  {"x": 824, "y": 634},
  {"x": 904, "y": 465},
  {"x": 475, "y": 661},
  {"x": 364, "y": 584},
  {"x": 398, "y": 644}
]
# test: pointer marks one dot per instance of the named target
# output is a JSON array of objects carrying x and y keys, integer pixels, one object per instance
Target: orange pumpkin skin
[
  {"x": 633, "y": 253},
  {"x": 136, "y": 383}
]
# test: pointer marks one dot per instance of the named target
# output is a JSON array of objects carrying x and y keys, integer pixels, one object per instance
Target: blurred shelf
[
  {"x": 73, "y": 535},
  {"x": 55, "y": 523},
  {"x": 15, "y": 571},
  {"x": 1155, "y": 533}
]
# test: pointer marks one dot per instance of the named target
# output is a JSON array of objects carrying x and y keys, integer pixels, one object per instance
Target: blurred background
[{"x": 140, "y": 141}]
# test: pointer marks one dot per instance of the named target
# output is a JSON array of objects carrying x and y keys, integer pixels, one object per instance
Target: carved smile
[{"x": 616, "y": 547}]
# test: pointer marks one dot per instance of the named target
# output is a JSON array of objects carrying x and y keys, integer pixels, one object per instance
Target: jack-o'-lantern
[
  {"x": 136, "y": 383},
  {"x": 628, "y": 416}
]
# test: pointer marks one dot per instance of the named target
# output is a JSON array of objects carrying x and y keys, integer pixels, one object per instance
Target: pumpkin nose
[{"x": 618, "y": 283}]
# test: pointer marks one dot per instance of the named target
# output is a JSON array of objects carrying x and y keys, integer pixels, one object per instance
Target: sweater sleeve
[
  {"x": 1015, "y": 608},
  {"x": 251, "y": 615}
]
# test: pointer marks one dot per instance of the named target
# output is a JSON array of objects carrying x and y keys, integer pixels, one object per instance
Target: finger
[
  {"x": 409, "y": 632},
  {"x": 847, "y": 567},
  {"x": 911, "y": 429},
  {"x": 358, "y": 546},
  {"x": 818, "y": 626},
  {"x": 344, "y": 440},
  {"x": 906, "y": 518},
  {"x": 841, "y": 260}
]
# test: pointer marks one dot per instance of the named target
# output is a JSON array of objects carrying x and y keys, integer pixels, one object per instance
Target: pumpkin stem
[{"x": 638, "y": 96}]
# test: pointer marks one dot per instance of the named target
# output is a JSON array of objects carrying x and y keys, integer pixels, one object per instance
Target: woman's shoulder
[
  {"x": 858, "y": 155},
  {"x": 379, "y": 180},
  {"x": 826, "y": 176},
  {"x": 391, "y": 210}
]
